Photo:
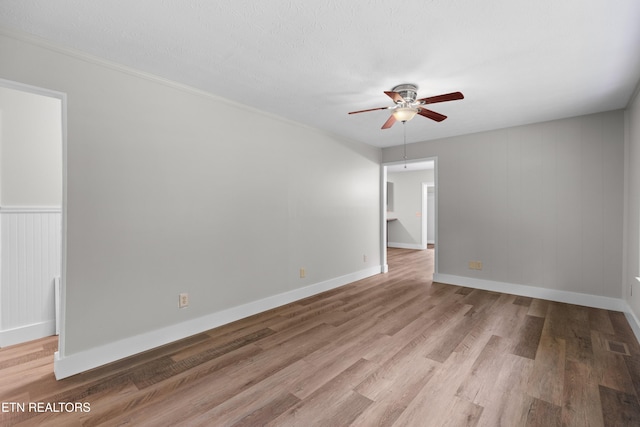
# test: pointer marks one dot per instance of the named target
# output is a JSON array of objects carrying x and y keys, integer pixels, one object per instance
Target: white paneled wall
[{"x": 29, "y": 264}]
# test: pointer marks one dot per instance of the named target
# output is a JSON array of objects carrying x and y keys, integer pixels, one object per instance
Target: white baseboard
[
  {"x": 27, "y": 333},
  {"x": 596, "y": 301},
  {"x": 633, "y": 321},
  {"x": 406, "y": 245},
  {"x": 79, "y": 362}
]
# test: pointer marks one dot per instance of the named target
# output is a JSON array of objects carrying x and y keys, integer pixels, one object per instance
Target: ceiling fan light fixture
[
  {"x": 404, "y": 114},
  {"x": 407, "y": 105}
]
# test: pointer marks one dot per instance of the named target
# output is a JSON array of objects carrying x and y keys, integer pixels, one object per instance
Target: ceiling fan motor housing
[{"x": 408, "y": 91}]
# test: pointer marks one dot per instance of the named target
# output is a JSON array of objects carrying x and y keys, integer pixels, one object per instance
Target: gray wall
[
  {"x": 538, "y": 205},
  {"x": 170, "y": 190},
  {"x": 30, "y": 149}
]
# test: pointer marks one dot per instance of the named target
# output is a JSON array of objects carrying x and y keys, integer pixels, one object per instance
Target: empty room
[{"x": 320, "y": 214}]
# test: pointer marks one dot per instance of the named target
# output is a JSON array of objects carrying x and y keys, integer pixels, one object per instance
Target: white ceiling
[{"x": 516, "y": 62}]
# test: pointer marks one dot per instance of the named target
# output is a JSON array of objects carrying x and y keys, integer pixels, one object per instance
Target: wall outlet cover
[{"x": 183, "y": 300}]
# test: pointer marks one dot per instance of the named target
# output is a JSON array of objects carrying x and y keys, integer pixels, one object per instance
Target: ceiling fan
[{"x": 407, "y": 106}]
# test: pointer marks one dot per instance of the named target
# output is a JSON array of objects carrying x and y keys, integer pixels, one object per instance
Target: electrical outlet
[
  {"x": 183, "y": 300},
  {"x": 364, "y": 258},
  {"x": 475, "y": 265},
  {"x": 302, "y": 273}
]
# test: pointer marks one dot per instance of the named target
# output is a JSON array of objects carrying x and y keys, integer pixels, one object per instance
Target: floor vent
[{"x": 618, "y": 347}]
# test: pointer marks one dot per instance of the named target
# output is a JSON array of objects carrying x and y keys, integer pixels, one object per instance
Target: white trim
[
  {"x": 56, "y": 298},
  {"x": 633, "y": 321},
  {"x": 23, "y": 87},
  {"x": 596, "y": 301},
  {"x": 436, "y": 188},
  {"x": 30, "y": 209},
  {"x": 423, "y": 214},
  {"x": 418, "y": 246},
  {"x": 627, "y": 286},
  {"x": 79, "y": 362},
  {"x": 27, "y": 333},
  {"x": 384, "y": 226}
]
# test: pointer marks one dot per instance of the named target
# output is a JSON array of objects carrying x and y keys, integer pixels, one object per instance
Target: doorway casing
[{"x": 383, "y": 209}]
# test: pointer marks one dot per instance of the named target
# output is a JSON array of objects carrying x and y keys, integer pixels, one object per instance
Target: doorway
[
  {"x": 410, "y": 213},
  {"x": 32, "y": 143}
]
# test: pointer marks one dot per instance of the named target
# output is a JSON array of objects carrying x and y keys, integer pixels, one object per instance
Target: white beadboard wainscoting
[{"x": 29, "y": 267}]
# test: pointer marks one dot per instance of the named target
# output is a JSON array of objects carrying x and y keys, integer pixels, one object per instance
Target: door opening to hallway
[
  {"x": 31, "y": 186},
  {"x": 411, "y": 215}
]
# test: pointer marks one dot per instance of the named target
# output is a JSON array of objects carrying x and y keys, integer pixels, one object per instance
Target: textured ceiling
[{"x": 516, "y": 62}]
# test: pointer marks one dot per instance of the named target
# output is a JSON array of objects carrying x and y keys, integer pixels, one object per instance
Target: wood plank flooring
[{"x": 391, "y": 350}]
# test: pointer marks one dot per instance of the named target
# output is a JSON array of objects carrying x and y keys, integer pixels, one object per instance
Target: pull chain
[{"x": 404, "y": 131}]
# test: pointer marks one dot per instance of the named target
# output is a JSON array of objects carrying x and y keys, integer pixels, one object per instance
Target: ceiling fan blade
[
  {"x": 395, "y": 96},
  {"x": 390, "y": 121},
  {"x": 370, "y": 109},
  {"x": 441, "y": 98},
  {"x": 431, "y": 114}
]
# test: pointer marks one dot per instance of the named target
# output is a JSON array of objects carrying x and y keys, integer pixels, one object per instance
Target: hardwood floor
[{"x": 393, "y": 349}]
